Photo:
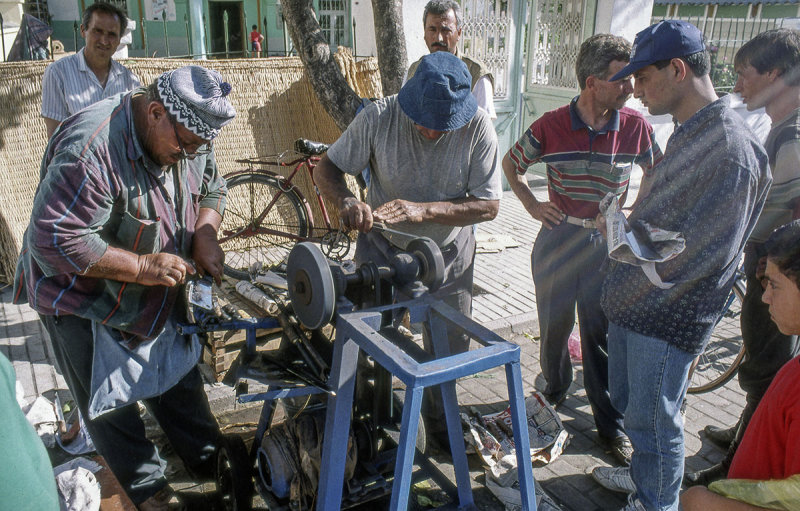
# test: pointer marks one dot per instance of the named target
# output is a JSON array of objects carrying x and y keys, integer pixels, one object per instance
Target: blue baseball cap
[
  {"x": 667, "y": 39},
  {"x": 439, "y": 94}
]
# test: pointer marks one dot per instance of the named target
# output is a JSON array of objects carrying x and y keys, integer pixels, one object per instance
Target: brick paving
[{"x": 504, "y": 302}]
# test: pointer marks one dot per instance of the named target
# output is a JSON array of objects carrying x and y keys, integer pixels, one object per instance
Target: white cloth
[
  {"x": 78, "y": 488},
  {"x": 69, "y": 86},
  {"x": 641, "y": 247}
]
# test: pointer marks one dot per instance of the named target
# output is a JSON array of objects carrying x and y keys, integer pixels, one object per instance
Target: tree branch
[
  {"x": 391, "y": 42},
  {"x": 330, "y": 86}
]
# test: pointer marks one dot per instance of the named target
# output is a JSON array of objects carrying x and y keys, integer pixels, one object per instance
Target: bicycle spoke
[
  {"x": 262, "y": 222},
  {"x": 723, "y": 353}
]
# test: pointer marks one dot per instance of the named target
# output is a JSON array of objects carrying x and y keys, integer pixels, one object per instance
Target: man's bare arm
[
  {"x": 50, "y": 125},
  {"x": 206, "y": 252},
  {"x": 545, "y": 212},
  {"x": 459, "y": 212},
  {"x": 160, "y": 269},
  {"x": 331, "y": 182}
]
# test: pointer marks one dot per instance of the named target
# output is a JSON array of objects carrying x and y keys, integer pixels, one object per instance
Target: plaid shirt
[{"x": 97, "y": 189}]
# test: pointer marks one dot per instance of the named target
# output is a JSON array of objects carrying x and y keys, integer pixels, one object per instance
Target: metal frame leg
[
  {"x": 519, "y": 423},
  {"x": 401, "y": 488},
  {"x": 337, "y": 423},
  {"x": 457, "y": 446}
]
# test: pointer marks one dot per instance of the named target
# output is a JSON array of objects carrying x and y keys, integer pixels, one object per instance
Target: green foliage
[{"x": 723, "y": 75}]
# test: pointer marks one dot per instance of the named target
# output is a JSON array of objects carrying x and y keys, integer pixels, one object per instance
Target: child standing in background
[{"x": 255, "y": 41}]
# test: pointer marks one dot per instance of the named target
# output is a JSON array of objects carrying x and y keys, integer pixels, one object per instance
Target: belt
[{"x": 586, "y": 223}]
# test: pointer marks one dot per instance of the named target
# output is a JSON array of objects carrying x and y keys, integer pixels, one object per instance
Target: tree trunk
[
  {"x": 330, "y": 86},
  {"x": 391, "y": 43}
]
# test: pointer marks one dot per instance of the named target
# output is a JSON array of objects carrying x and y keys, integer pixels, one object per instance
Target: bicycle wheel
[
  {"x": 725, "y": 350},
  {"x": 245, "y": 241}
]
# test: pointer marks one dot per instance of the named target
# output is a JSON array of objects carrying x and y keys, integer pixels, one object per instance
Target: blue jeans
[{"x": 648, "y": 381}]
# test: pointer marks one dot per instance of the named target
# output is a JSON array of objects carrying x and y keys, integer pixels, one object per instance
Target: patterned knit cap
[{"x": 197, "y": 98}]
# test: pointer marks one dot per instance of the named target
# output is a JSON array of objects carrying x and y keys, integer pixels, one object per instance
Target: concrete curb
[{"x": 517, "y": 324}]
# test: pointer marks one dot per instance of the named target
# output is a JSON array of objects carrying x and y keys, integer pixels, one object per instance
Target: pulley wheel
[
  {"x": 432, "y": 262},
  {"x": 310, "y": 283}
]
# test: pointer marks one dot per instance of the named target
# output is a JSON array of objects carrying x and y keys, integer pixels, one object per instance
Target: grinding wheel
[
  {"x": 311, "y": 287},
  {"x": 432, "y": 274}
]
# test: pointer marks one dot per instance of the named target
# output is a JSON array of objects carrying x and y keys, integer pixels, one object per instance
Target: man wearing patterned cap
[
  {"x": 433, "y": 158},
  {"x": 128, "y": 205}
]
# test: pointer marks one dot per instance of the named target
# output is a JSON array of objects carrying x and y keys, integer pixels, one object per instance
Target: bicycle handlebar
[{"x": 303, "y": 147}]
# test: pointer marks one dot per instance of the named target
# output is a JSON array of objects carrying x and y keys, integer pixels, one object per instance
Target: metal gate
[
  {"x": 491, "y": 32},
  {"x": 530, "y": 47}
]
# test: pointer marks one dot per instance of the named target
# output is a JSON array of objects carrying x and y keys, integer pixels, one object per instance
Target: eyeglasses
[{"x": 200, "y": 151}]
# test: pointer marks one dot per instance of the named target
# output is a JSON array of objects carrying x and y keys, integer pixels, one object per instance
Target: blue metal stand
[{"x": 359, "y": 331}]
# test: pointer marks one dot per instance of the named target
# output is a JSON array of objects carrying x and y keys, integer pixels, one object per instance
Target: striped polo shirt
[
  {"x": 783, "y": 149},
  {"x": 69, "y": 86},
  {"x": 584, "y": 164}
]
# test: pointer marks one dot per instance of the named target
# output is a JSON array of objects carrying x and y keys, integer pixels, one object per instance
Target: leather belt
[{"x": 586, "y": 223}]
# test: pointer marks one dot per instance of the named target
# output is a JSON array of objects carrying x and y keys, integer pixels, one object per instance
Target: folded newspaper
[
  {"x": 492, "y": 438},
  {"x": 641, "y": 244}
]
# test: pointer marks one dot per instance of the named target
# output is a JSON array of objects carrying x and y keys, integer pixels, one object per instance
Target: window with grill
[
  {"x": 37, "y": 9},
  {"x": 332, "y": 15}
]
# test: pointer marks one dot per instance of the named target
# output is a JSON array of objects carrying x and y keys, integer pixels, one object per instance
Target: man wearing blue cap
[
  {"x": 129, "y": 193},
  {"x": 710, "y": 186},
  {"x": 433, "y": 156}
]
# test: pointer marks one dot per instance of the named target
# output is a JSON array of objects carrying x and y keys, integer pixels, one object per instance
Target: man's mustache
[{"x": 441, "y": 45}]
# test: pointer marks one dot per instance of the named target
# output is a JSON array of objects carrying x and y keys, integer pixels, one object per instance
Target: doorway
[{"x": 230, "y": 43}]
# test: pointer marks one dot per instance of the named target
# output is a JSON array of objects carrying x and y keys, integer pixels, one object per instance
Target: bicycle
[
  {"x": 266, "y": 213},
  {"x": 725, "y": 351}
]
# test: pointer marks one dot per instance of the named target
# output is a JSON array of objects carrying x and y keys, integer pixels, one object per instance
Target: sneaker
[
  {"x": 614, "y": 478},
  {"x": 721, "y": 437},
  {"x": 619, "y": 447},
  {"x": 634, "y": 505}
]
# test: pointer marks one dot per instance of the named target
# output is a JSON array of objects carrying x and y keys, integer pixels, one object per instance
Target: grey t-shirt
[{"x": 406, "y": 165}]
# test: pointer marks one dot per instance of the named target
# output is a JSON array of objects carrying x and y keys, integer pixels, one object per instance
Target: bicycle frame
[{"x": 256, "y": 166}]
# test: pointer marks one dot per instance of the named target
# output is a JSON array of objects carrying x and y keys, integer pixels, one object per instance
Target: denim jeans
[{"x": 648, "y": 381}]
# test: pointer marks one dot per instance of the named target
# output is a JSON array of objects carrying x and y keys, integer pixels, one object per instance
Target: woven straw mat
[{"x": 273, "y": 98}]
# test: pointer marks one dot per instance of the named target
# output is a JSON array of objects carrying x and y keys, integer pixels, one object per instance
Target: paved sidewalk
[{"x": 504, "y": 302}]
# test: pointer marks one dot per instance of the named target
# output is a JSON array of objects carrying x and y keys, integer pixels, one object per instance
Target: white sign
[{"x": 154, "y": 9}]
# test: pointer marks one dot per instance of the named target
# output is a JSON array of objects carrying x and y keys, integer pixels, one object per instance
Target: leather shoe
[
  {"x": 721, "y": 437},
  {"x": 706, "y": 476},
  {"x": 555, "y": 400},
  {"x": 620, "y": 448}
]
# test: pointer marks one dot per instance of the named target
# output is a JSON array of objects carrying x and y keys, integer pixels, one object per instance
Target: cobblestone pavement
[{"x": 504, "y": 302}]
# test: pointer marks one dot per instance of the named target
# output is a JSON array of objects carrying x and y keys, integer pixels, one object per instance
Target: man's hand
[
  {"x": 355, "y": 214},
  {"x": 162, "y": 269},
  {"x": 400, "y": 210},
  {"x": 207, "y": 254},
  {"x": 547, "y": 213},
  {"x": 600, "y": 224}
]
